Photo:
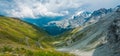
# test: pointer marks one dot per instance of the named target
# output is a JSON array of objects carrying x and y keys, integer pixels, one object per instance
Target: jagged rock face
[
  {"x": 112, "y": 46},
  {"x": 114, "y": 38},
  {"x": 114, "y": 32}
]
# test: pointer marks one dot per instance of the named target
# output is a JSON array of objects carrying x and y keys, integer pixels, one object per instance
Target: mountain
[
  {"x": 57, "y": 28},
  {"x": 20, "y": 38},
  {"x": 15, "y": 29},
  {"x": 76, "y": 20},
  {"x": 81, "y": 18},
  {"x": 98, "y": 39},
  {"x": 58, "y": 25},
  {"x": 111, "y": 47},
  {"x": 98, "y": 14}
]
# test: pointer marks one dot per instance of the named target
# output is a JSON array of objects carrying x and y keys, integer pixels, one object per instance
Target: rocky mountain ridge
[{"x": 98, "y": 39}]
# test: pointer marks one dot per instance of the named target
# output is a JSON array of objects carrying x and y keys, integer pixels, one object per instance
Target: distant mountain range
[
  {"x": 58, "y": 25},
  {"x": 54, "y": 23}
]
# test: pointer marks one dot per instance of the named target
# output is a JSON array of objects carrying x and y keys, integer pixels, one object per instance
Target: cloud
[
  {"x": 26, "y": 8},
  {"x": 37, "y": 8}
]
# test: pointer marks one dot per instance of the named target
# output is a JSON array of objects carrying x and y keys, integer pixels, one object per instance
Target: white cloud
[
  {"x": 34, "y": 8},
  {"x": 28, "y": 8}
]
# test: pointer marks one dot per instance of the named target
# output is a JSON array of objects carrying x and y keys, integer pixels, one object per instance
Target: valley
[{"x": 59, "y": 28}]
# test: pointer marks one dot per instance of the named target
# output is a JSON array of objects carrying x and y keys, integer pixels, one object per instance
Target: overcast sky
[{"x": 33, "y": 8}]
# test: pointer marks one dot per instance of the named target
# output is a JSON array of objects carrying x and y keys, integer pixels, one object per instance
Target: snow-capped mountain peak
[
  {"x": 82, "y": 14},
  {"x": 72, "y": 22}
]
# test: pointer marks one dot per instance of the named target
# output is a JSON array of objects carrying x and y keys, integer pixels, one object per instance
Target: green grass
[
  {"x": 10, "y": 51},
  {"x": 18, "y": 31}
]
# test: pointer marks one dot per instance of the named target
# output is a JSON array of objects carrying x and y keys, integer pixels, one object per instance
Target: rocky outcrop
[
  {"x": 114, "y": 32},
  {"x": 112, "y": 46}
]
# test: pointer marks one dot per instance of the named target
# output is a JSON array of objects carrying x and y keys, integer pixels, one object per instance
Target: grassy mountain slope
[
  {"x": 21, "y": 38},
  {"x": 17, "y": 31}
]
